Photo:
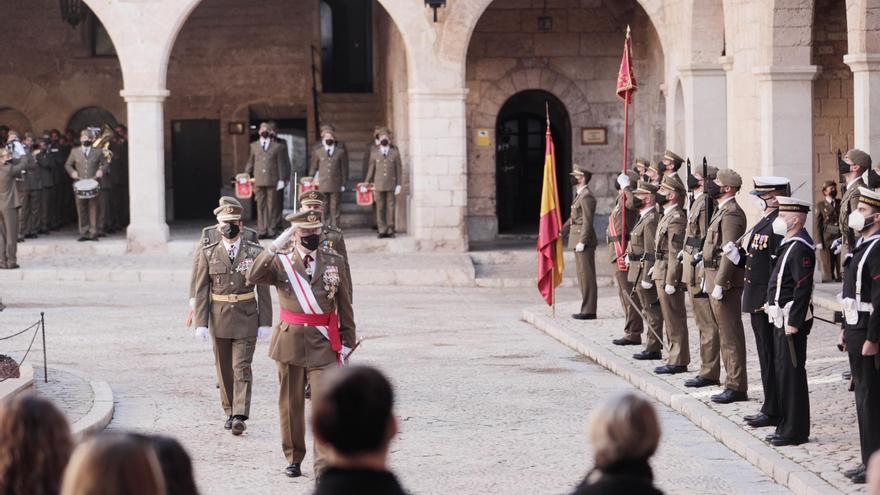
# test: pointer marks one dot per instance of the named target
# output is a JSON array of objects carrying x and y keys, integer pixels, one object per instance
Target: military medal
[{"x": 331, "y": 280}]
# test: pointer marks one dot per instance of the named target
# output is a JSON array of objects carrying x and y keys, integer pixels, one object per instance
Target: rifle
[
  {"x": 690, "y": 193},
  {"x": 632, "y": 303}
]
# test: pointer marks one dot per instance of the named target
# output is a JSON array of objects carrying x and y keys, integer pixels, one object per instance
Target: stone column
[
  {"x": 146, "y": 157},
  {"x": 705, "y": 112},
  {"x": 438, "y": 147},
  {"x": 866, "y": 100},
  {"x": 787, "y": 124}
]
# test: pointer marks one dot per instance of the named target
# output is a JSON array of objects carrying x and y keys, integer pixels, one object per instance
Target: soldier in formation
[
  {"x": 582, "y": 240},
  {"x": 329, "y": 166}
]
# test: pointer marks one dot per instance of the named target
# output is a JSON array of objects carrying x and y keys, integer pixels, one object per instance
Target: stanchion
[{"x": 45, "y": 368}]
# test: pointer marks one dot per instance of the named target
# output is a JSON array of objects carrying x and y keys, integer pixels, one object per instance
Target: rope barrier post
[{"x": 45, "y": 368}]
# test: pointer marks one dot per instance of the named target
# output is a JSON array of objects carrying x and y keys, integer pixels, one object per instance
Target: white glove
[
  {"x": 625, "y": 260},
  {"x": 263, "y": 332},
  {"x": 280, "y": 185},
  {"x": 342, "y": 189},
  {"x": 646, "y": 285},
  {"x": 281, "y": 240},
  {"x": 717, "y": 293},
  {"x": 733, "y": 254},
  {"x": 669, "y": 289},
  {"x": 819, "y": 247},
  {"x": 397, "y": 189},
  {"x": 202, "y": 333},
  {"x": 363, "y": 189},
  {"x": 579, "y": 248},
  {"x": 343, "y": 354},
  {"x": 623, "y": 180},
  {"x": 651, "y": 271},
  {"x": 680, "y": 256},
  {"x": 835, "y": 246}
]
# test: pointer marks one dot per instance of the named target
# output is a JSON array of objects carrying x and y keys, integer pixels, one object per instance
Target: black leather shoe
[
  {"x": 83, "y": 238},
  {"x": 30, "y": 236},
  {"x": 752, "y": 417},
  {"x": 647, "y": 356},
  {"x": 238, "y": 426},
  {"x": 770, "y": 437},
  {"x": 699, "y": 381},
  {"x": 12, "y": 266},
  {"x": 729, "y": 396},
  {"x": 228, "y": 424},
  {"x": 763, "y": 421},
  {"x": 625, "y": 341},
  {"x": 858, "y": 479},
  {"x": 670, "y": 369},
  {"x": 849, "y": 473},
  {"x": 293, "y": 471},
  {"x": 584, "y": 316},
  {"x": 780, "y": 441}
]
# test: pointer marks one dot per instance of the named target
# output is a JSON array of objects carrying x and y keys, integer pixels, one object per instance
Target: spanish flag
[{"x": 550, "y": 262}]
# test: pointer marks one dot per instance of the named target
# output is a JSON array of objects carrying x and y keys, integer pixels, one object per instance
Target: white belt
[{"x": 851, "y": 309}]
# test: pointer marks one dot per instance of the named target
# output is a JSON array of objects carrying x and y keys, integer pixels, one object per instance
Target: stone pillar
[
  {"x": 866, "y": 95},
  {"x": 705, "y": 112},
  {"x": 438, "y": 147},
  {"x": 146, "y": 157},
  {"x": 786, "y": 95}
]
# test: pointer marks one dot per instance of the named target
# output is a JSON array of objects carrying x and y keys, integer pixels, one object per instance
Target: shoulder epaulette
[
  {"x": 330, "y": 251},
  {"x": 209, "y": 244},
  {"x": 332, "y": 228}
]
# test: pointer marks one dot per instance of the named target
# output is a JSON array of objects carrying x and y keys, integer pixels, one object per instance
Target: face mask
[
  {"x": 329, "y": 142},
  {"x": 384, "y": 142},
  {"x": 857, "y": 222},
  {"x": 660, "y": 199},
  {"x": 86, "y": 144},
  {"x": 229, "y": 230},
  {"x": 871, "y": 178},
  {"x": 634, "y": 203},
  {"x": 779, "y": 226},
  {"x": 573, "y": 181},
  {"x": 833, "y": 193},
  {"x": 760, "y": 203},
  {"x": 713, "y": 190},
  {"x": 843, "y": 167},
  {"x": 264, "y": 134},
  {"x": 693, "y": 182},
  {"x": 310, "y": 242}
]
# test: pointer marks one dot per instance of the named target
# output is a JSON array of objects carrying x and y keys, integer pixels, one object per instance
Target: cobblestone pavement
[
  {"x": 69, "y": 392},
  {"x": 833, "y": 445},
  {"x": 487, "y": 404}
]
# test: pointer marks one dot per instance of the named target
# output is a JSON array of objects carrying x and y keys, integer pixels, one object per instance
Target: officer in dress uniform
[
  {"x": 331, "y": 236},
  {"x": 861, "y": 327},
  {"x": 316, "y": 332},
  {"x": 827, "y": 230},
  {"x": 654, "y": 173},
  {"x": 789, "y": 300},
  {"x": 616, "y": 237},
  {"x": 667, "y": 274},
  {"x": 854, "y": 164},
  {"x": 670, "y": 163},
  {"x": 9, "y": 209},
  {"x": 329, "y": 165},
  {"x": 34, "y": 185},
  {"x": 233, "y": 312},
  {"x": 385, "y": 172},
  {"x": 270, "y": 170},
  {"x": 86, "y": 163},
  {"x": 582, "y": 240},
  {"x": 699, "y": 211},
  {"x": 640, "y": 256},
  {"x": 756, "y": 254},
  {"x": 724, "y": 283}
]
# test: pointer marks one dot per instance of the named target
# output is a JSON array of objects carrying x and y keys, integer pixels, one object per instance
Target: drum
[
  {"x": 86, "y": 188},
  {"x": 243, "y": 186},
  {"x": 364, "y": 194},
  {"x": 307, "y": 184}
]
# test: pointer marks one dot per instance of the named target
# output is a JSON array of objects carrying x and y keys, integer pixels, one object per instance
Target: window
[{"x": 102, "y": 45}]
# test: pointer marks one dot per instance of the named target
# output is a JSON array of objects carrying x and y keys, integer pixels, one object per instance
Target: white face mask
[
  {"x": 779, "y": 226},
  {"x": 856, "y": 221},
  {"x": 761, "y": 204}
]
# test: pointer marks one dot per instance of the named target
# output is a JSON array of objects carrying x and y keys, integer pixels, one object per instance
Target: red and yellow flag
[
  {"x": 550, "y": 262},
  {"x": 626, "y": 78}
]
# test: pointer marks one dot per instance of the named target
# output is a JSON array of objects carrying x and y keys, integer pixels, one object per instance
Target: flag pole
[
  {"x": 625, "y": 157},
  {"x": 553, "y": 283}
]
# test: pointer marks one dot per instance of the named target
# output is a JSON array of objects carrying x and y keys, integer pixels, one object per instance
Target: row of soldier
[{"x": 668, "y": 237}]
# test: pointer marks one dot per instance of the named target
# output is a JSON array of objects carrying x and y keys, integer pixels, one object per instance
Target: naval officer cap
[
  {"x": 305, "y": 219},
  {"x": 869, "y": 197},
  {"x": 795, "y": 205},
  {"x": 312, "y": 197},
  {"x": 770, "y": 184},
  {"x": 729, "y": 177},
  {"x": 228, "y": 213}
]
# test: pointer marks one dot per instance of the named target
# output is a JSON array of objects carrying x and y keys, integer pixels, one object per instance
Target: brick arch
[
  {"x": 862, "y": 37},
  {"x": 786, "y": 32}
]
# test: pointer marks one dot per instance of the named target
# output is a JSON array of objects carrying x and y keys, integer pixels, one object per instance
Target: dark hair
[
  {"x": 354, "y": 411},
  {"x": 176, "y": 466},
  {"x": 35, "y": 445}
]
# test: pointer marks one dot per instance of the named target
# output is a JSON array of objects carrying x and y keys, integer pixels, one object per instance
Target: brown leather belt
[{"x": 233, "y": 298}]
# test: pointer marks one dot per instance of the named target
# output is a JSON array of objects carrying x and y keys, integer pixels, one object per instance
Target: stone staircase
[{"x": 354, "y": 115}]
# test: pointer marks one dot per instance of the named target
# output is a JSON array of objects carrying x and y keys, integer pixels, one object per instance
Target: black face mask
[
  {"x": 693, "y": 182},
  {"x": 229, "y": 230},
  {"x": 573, "y": 181},
  {"x": 833, "y": 193},
  {"x": 634, "y": 203},
  {"x": 87, "y": 143},
  {"x": 310, "y": 242},
  {"x": 264, "y": 134},
  {"x": 873, "y": 179},
  {"x": 660, "y": 199},
  {"x": 842, "y": 167},
  {"x": 384, "y": 142},
  {"x": 329, "y": 142},
  {"x": 713, "y": 190}
]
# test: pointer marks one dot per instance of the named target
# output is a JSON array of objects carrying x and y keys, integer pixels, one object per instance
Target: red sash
[{"x": 329, "y": 320}]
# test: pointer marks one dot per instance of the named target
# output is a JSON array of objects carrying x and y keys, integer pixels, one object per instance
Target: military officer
[
  {"x": 620, "y": 224},
  {"x": 384, "y": 173},
  {"x": 331, "y": 236},
  {"x": 669, "y": 242},
  {"x": 226, "y": 309},
  {"x": 286, "y": 165},
  {"x": 854, "y": 164},
  {"x": 861, "y": 327},
  {"x": 329, "y": 166},
  {"x": 9, "y": 206},
  {"x": 316, "y": 332},
  {"x": 33, "y": 179},
  {"x": 789, "y": 309},
  {"x": 267, "y": 165},
  {"x": 827, "y": 230},
  {"x": 724, "y": 283},
  {"x": 699, "y": 212},
  {"x": 642, "y": 168},
  {"x": 640, "y": 255},
  {"x": 670, "y": 163},
  {"x": 582, "y": 240},
  {"x": 85, "y": 162},
  {"x": 756, "y": 254},
  {"x": 20, "y": 155},
  {"x": 372, "y": 144},
  {"x": 47, "y": 161},
  {"x": 653, "y": 173}
]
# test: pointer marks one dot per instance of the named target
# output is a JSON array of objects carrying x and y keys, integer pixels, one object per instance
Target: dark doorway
[
  {"x": 346, "y": 46},
  {"x": 91, "y": 117},
  {"x": 519, "y": 159},
  {"x": 195, "y": 156}
]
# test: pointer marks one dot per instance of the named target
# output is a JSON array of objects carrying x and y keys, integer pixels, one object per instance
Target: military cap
[
  {"x": 645, "y": 188},
  {"x": 578, "y": 170},
  {"x": 711, "y": 171},
  {"x": 859, "y": 158},
  {"x": 229, "y": 200},
  {"x": 655, "y": 167},
  {"x": 672, "y": 183},
  {"x": 675, "y": 159},
  {"x": 327, "y": 128},
  {"x": 633, "y": 176},
  {"x": 869, "y": 197},
  {"x": 770, "y": 184},
  {"x": 641, "y": 162},
  {"x": 829, "y": 183},
  {"x": 306, "y": 219},
  {"x": 228, "y": 213},
  {"x": 729, "y": 177},
  {"x": 384, "y": 131},
  {"x": 312, "y": 197},
  {"x": 793, "y": 204}
]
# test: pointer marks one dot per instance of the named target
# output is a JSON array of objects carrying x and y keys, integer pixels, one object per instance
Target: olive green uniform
[
  {"x": 580, "y": 226},
  {"x": 640, "y": 253},
  {"x": 693, "y": 274},
  {"x": 633, "y": 326},
  {"x": 667, "y": 271}
]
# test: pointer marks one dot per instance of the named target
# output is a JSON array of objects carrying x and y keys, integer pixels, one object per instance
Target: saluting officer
[
  {"x": 789, "y": 300},
  {"x": 228, "y": 309},
  {"x": 268, "y": 165},
  {"x": 699, "y": 212},
  {"x": 331, "y": 236},
  {"x": 316, "y": 332},
  {"x": 861, "y": 326},
  {"x": 667, "y": 274},
  {"x": 757, "y": 258},
  {"x": 854, "y": 164},
  {"x": 618, "y": 234},
  {"x": 827, "y": 230},
  {"x": 582, "y": 240},
  {"x": 385, "y": 172},
  {"x": 640, "y": 254},
  {"x": 724, "y": 283},
  {"x": 329, "y": 165}
]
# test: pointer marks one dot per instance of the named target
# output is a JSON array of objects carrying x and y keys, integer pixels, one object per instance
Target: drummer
[{"x": 86, "y": 164}]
